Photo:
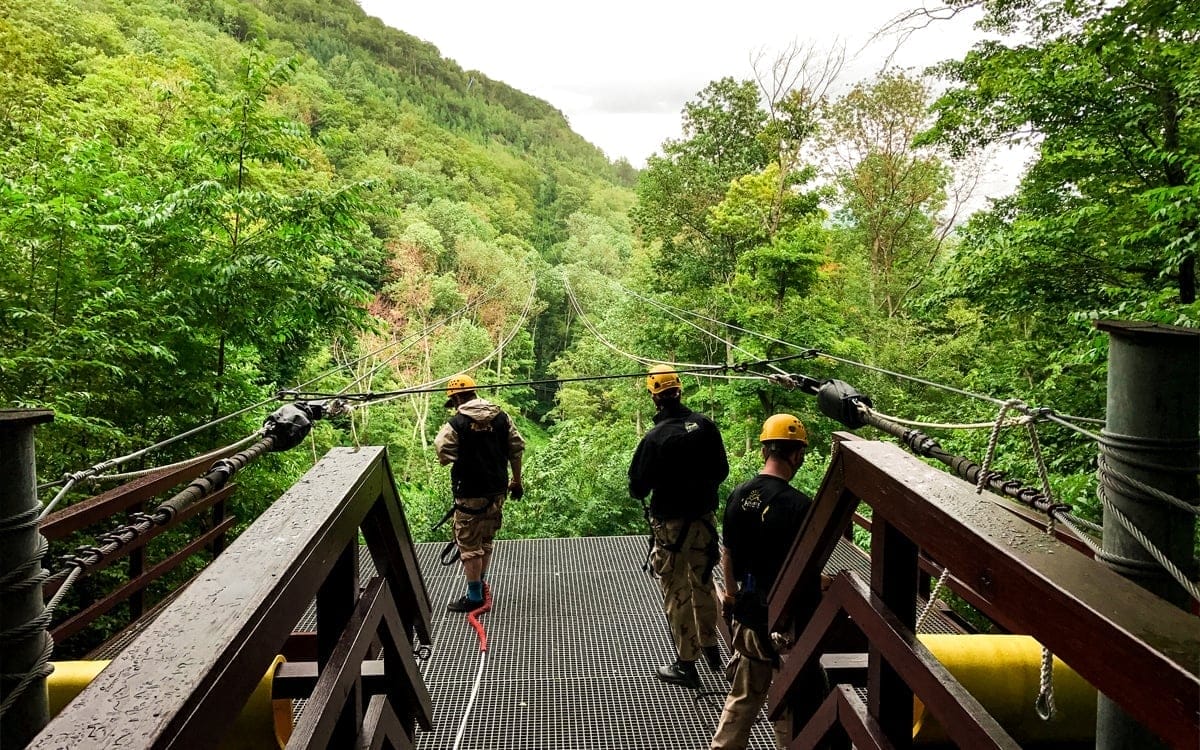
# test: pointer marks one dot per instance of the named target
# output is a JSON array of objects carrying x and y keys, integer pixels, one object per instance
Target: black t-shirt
[{"x": 762, "y": 518}]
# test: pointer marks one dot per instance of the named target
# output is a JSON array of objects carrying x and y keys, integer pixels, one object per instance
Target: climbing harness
[{"x": 450, "y": 554}]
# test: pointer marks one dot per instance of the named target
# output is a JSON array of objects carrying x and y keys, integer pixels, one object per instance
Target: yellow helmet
[
  {"x": 662, "y": 378},
  {"x": 458, "y": 384},
  {"x": 783, "y": 427}
]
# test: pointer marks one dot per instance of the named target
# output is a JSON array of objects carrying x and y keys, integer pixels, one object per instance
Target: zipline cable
[
  {"x": 430, "y": 386},
  {"x": 694, "y": 368},
  {"x": 1051, "y": 414},
  {"x": 670, "y": 311}
]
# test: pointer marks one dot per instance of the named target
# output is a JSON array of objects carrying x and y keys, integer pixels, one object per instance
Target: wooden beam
[
  {"x": 85, "y": 617},
  {"x": 1032, "y": 584}
]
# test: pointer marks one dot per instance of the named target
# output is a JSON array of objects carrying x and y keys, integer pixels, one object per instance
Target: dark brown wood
[
  {"x": 87, "y": 616},
  {"x": 382, "y": 730},
  {"x": 339, "y": 679},
  {"x": 862, "y": 729},
  {"x": 384, "y": 525},
  {"x": 52, "y": 585},
  {"x": 894, "y": 581},
  {"x": 296, "y": 679},
  {"x": 1038, "y": 520},
  {"x": 180, "y": 682},
  {"x": 218, "y": 515},
  {"x": 136, "y": 566},
  {"x": 336, "y": 599},
  {"x": 823, "y": 723},
  {"x": 1021, "y": 576},
  {"x": 966, "y": 722},
  {"x": 100, "y": 507}
]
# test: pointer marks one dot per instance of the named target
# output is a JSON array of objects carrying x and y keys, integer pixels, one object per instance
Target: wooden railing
[
  {"x": 184, "y": 679},
  {"x": 1132, "y": 646},
  {"x": 102, "y": 512}
]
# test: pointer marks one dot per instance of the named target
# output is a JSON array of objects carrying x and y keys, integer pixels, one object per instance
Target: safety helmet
[
  {"x": 662, "y": 378},
  {"x": 783, "y": 427},
  {"x": 458, "y": 384}
]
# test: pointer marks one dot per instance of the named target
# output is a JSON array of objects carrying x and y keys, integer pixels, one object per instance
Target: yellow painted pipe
[
  {"x": 1003, "y": 673},
  {"x": 263, "y": 723}
]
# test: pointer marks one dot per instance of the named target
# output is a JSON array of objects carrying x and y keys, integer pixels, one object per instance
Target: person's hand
[
  {"x": 727, "y": 602},
  {"x": 516, "y": 490}
]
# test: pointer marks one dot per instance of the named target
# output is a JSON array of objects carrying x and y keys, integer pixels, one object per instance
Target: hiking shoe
[
  {"x": 465, "y": 604},
  {"x": 712, "y": 657},
  {"x": 680, "y": 673}
]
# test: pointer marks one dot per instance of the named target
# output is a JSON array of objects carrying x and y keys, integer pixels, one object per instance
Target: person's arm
[
  {"x": 729, "y": 590},
  {"x": 719, "y": 460},
  {"x": 446, "y": 445},
  {"x": 641, "y": 471},
  {"x": 516, "y": 450}
]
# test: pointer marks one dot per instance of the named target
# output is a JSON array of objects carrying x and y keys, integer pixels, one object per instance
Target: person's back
[
  {"x": 763, "y": 517},
  {"x": 480, "y": 442},
  {"x": 680, "y": 464}
]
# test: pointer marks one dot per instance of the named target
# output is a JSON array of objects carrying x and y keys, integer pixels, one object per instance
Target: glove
[
  {"x": 516, "y": 490},
  {"x": 727, "y": 608}
]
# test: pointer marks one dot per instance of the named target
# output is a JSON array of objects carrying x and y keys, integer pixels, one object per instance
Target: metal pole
[
  {"x": 1150, "y": 435},
  {"x": 21, "y": 547}
]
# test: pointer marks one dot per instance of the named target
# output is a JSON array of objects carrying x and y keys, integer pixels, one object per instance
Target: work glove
[{"x": 516, "y": 490}]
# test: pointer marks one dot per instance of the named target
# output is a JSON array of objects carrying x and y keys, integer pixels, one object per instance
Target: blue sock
[{"x": 475, "y": 591}]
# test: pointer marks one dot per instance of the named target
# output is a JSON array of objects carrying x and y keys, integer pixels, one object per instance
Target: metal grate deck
[{"x": 575, "y": 633}]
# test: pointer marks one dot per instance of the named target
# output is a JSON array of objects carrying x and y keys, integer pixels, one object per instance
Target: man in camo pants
[{"x": 681, "y": 463}]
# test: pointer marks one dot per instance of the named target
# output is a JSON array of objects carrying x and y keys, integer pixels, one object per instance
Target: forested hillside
[{"x": 206, "y": 201}]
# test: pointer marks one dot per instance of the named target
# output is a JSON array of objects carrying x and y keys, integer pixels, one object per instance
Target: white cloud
[{"x": 621, "y": 71}]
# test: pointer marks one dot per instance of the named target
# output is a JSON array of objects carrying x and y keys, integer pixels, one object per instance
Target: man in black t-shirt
[
  {"x": 681, "y": 463},
  {"x": 762, "y": 520}
]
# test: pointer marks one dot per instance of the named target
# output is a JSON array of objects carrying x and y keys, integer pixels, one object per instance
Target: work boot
[
  {"x": 680, "y": 673},
  {"x": 465, "y": 604},
  {"x": 712, "y": 656}
]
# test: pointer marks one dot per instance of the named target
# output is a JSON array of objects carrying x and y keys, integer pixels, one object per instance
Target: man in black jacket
[
  {"x": 681, "y": 463},
  {"x": 481, "y": 442}
]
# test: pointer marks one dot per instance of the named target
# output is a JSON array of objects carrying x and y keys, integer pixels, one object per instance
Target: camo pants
[
  {"x": 752, "y": 673},
  {"x": 690, "y": 602}
]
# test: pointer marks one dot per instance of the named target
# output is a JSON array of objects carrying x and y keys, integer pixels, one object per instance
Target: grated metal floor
[{"x": 575, "y": 633}]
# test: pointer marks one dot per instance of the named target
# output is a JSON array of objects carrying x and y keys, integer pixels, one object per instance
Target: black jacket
[{"x": 681, "y": 460}]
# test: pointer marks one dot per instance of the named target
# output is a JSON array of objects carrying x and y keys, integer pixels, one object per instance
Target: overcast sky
[{"x": 622, "y": 70}]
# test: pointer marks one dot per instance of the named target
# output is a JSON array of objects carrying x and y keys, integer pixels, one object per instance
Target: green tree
[
  {"x": 891, "y": 191},
  {"x": 1106, "y": 216}
]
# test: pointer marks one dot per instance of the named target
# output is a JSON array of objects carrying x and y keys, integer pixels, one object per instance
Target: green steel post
[
  {"x": 20, "y": 602},
  {"x": 1150, "y": 435}
]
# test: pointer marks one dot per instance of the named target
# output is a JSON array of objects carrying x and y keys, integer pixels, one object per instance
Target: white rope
[
  {"x": 462, "y": 727},
  {"x": 933, "y": 596},
  {"x": 1010, "y": 422},
  {"x": 985, "y": 470},
  {"x": 1191, "y": 587},
  {"x": 1044, "y": 704},
  {"x": 178, "y": 464},
  {"x": 1107, "y": 471}
]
